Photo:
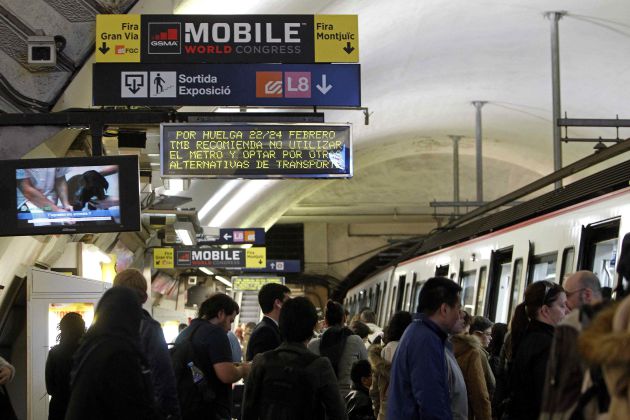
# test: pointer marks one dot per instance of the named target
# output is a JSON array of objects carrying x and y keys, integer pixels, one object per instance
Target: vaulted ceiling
[{"x": 422, "y": 64}]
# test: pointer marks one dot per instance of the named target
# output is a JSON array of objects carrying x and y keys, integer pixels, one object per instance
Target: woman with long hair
[
  {"x": 340, "y": 345},
  {"x": 381, "y": 357},
  {"x": 59, "y": 364},
  {"x": 532, "y": 334}
]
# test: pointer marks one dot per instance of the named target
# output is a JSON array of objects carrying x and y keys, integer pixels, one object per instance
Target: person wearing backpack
[
  {"x": 340, "y": 345},
  {"x": 291, "y": 382},
  {"x": 202, "y": 360}
]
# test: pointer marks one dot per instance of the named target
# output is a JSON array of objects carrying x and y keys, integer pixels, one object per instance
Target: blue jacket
[{"x": 418, "y": 387}]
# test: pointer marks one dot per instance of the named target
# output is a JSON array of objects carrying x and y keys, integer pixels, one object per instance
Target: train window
[
  {"x": 371, "y": 298},
  {"x": 416, "y": 298},
  {"x": 543, "y": 267},
  {"x": 499, "y": 285},
  {"x": 382, "y": 312},
  {"x": 406, "y": 300},
  {"x": 468, "y": 290},
  {"x": 377, "y": 300},
  {"x": 441, "y": 271},
  {"x": 568, "y": 255},
  {"x": 392, "y": 304},
  {"x": 481, "y": 291},
  {"x": 516, "y": 285},
  {"x": 401, "y": 293},
  {"x": 598, "y": 249},
  {"x": 412, "y": 298}
]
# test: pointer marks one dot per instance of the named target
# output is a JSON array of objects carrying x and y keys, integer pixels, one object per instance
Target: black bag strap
[{"x": 597, "y": 390}]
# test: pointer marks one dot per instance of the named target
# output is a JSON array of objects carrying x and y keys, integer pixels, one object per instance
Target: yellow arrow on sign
[{"x": 256, "y": 257}]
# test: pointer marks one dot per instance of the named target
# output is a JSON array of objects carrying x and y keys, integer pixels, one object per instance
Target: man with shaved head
[
  {"x": 565, "y": 368},
  {"x": 582, "y": 288}
]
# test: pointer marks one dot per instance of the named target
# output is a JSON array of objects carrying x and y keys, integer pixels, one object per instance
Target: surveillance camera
[{"x": 42, "y": 50}]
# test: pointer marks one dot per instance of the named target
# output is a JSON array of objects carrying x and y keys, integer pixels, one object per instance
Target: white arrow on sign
[
  {"x": 227, "y": 237},
  {"x": 324, "y": 87}
]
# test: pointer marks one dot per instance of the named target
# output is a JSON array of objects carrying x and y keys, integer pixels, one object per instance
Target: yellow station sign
[
  {"x": 163, "y": 258},
  {"x": 336, "y": 38},
  {"x": 256, "y": 257},
  {"x": 118, "y": 38}
]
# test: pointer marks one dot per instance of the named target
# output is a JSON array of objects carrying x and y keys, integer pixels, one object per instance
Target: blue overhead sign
[
  {"x": 255, "y": 236},
  {"x": 277, "y": 266},
  {"x": 227, "y": 84}
]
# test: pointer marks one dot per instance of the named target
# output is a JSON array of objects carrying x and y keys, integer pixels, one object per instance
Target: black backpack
[
  {"x": 288, "y": 389},
  {"x": 195, "y": 395}
]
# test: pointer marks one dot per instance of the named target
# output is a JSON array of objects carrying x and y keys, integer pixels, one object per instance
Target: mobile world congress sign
[
  {"x": 227, "y": 84},
  {"x": 215, "y": 150},
  {"x": 227, "y": 38}
]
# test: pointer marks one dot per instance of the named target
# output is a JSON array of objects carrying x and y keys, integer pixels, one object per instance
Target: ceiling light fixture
[
  {"x": 185, "y": 232},
  {"x": 207, "y": 271},
  {"x": 224, "y": 280}
]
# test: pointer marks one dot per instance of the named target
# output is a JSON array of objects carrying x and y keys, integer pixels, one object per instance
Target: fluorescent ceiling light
[
  {"x": 224, "y": 280},
  {"x": 185, "y": 232},
  {"x": 207, "y": 271},
  {"x": 174, "y": 185},
  {"x": 250, "y": 191},
  {"x": 245, "y": 246},
  {"x": 217, "y": 197}
]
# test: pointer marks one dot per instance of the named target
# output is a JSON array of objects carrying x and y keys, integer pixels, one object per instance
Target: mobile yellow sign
[
  {"x": 336, "y": 38},
  {"x": 118, "y": 38},
  {"x": 163, "y": 258},
  {"x": 256, "y": 257}
]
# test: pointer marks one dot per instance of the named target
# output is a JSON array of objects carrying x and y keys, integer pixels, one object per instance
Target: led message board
[{"x": 256, "y": 150}]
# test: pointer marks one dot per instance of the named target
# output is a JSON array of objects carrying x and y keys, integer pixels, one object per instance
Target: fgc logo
[{"x": 272, "y": 84}]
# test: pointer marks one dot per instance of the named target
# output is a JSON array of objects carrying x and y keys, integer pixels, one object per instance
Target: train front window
[{"x": 543, "y": 267}]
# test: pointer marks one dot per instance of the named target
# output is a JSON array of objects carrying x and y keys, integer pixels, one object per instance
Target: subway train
[{"x": 578, "y": 227}]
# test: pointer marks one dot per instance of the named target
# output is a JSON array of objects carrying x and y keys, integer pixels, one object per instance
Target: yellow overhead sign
[
  {"x": 336, "y": 38},
  {"x": 117, "y": 38},
  {"x": 256, "y": 257},
  {"x": 163, "y": 258}
]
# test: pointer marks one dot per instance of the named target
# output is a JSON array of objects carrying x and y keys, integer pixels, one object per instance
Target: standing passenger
[
  {"x": 266, "y": 335},
  {"x": 154, "y": 346},
  {"x": 110, "y": 378},
  {"x": 381, "y": 360},
  {"x": 290, "y": 382},
  {"x": 369, "y": 318},
  {"x": 418, "y": 387},
  {"x": 59, "y": 364},
  {"x": 208, "y": 333},
  {"x": 358, "y": 403},
  {"x": 565, "y": 370},
  {"x": 339, "y": 345},
  {"x": 532, "y": 333}
]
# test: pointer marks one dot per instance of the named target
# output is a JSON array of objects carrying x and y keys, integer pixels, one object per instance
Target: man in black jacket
[{"x": 266, "y": 336}]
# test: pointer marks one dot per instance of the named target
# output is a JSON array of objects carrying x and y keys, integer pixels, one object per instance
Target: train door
[
  {"x": 598, "y": 250},
  {"x": 499, "y": 285},
  {"x": 382, "y": 312},
  {"x": 410, "y": 299}
]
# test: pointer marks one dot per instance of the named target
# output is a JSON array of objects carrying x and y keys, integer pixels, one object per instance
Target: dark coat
[
  {"x": 359, "y": 404},
  {"x": 159, "y": 360},
  {"x": 58, "y": 368},
  {"x": 266, "y": 336},
  {"x": 110, "y": 378},
  {"x": 529, "y": 367},
  {"x": 323, "y": 376}
]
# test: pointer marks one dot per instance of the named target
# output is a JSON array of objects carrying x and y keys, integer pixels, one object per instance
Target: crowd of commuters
[{"x": 563, "y": 356}]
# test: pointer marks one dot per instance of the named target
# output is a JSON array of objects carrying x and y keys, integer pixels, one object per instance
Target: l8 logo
[{"x": 298, "y": 84}]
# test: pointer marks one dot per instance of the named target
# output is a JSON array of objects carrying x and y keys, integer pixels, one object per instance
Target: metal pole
[
  {"x": 554, "y": 17},
  {"x": 478, "y": 105},
  {"x": 456, "y": 170}
]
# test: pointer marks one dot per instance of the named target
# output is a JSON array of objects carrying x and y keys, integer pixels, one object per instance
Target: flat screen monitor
[{"x": 69, "y": 195}]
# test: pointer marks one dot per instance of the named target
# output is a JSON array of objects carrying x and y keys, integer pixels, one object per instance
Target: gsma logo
[
  {"x": 269, "y": 84},
  {"x": 164, "y": 38}
]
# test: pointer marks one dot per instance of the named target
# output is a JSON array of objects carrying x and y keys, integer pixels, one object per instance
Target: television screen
[{"x": 70, "y": 195}]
